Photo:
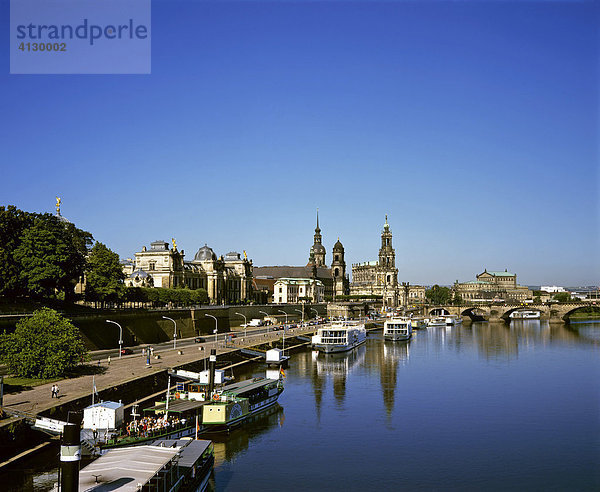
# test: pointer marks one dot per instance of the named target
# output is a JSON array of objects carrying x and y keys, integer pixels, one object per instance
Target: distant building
[
  {"x": 493, "y": 286},
  {"x": 552, "y": 289},
  {"x": 294, "y": 290},
  {"x": 379, "y": 278},
  {"x": 227, "y": 279}
]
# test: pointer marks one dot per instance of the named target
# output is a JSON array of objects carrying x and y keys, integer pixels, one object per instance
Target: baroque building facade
[
  {"x": 379, "y": 278},
  {"x": 227, "y": 279},
  {"x": 294, "y": 290},
  {"x": 491, "y": 286}
]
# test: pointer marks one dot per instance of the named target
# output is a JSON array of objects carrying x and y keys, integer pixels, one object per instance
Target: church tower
[
  {"x": 317, "y": 250},
  {"x": 387, "y": 255},
  {"x": 338, "y": 270}
]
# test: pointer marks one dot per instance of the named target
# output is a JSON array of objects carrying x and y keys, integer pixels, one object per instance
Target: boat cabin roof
[
  {"x": 247, "y": 385},
  {"x": 123, "y": 469},
  {"x": 177, "y": 406}
]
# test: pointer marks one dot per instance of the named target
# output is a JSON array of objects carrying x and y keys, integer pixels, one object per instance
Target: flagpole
[{"x": 93, "y": 388}]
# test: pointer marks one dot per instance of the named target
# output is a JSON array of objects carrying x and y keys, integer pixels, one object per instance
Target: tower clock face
[{"x": 236, "y": 411}]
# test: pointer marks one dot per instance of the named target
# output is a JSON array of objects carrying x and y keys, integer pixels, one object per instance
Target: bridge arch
[
  {"x": 476, "y": 313},
  {"x": 565, "y": 315},
  {"x": 506, "y": 315}
]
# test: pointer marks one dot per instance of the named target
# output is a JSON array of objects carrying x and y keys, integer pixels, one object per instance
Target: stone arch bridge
[{"x": 555, "y": 313}]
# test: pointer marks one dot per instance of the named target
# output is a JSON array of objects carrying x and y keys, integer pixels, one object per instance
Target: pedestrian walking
[
  {"x": 95, "y": 432},
  {"x": 53, "y": 391},
  {"x": 56, "y": 390},
  {"x": 108, "y": 359}
]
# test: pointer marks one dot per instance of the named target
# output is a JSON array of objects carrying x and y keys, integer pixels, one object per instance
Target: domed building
[{"x": 226, "y": 279}]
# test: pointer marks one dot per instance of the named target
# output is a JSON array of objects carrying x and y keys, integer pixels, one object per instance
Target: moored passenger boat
[
  {"x": 452, "y": 319},
  {"x": 418, "y": 322},
  {"x": 397, "y": 329},
  {"x": 339, "y": 337},
  {"x": 525, "y": 315},
  {"x": 436, "y": 321}
]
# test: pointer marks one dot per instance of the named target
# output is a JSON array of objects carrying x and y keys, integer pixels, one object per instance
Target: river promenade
[{"x": 132, "y": 367}]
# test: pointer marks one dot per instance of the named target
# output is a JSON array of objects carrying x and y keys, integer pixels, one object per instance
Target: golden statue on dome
[
  {"x": 174, "y": 244},
  {"x": 58, "y": 205}
]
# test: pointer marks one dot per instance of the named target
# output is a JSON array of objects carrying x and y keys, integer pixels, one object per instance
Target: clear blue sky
[{"x": 473, "y": 125}]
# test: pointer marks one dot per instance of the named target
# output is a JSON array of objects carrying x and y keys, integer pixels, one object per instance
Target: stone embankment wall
[{"x": 149, "y": 327}]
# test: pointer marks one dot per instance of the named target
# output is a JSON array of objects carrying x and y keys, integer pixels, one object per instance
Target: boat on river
[
  {"x": 436, "y": 321},
  {"x": 398, "y": 329},
  {"x": 525, "y": 315},
  {"x": 452, "y": 319},
  {"x": 190, "y": 408},
  {"x": 340, "y": 336},
  {"x": 418, "y": 322}
]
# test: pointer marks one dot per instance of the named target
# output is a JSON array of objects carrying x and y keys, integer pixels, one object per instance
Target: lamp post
[
  {"x": 120, "y": 335},
  {"x": 245, "y": 322},
  {"x": 313, "y": 309},
  {"x": 281, "y": 311},
  {"x": 301, "y": 312},
  {"x": 174, "y": 330},
  {"x": 266, "y": 314},
  {"x": 216, "y": 326}
]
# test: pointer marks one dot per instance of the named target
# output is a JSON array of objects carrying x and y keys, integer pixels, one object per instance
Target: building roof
[
  {"x": 124, "y": 469},
  {"x": 113, "y": 405},
  {"x": 178, "y": 406},
  {"x": 502, "y": 274},
  {"x": 191, "y": 451},
  {"x": 298, "y": 280},
  {"x": 286, "y": 271},
  {"x": 205, "y": 254},
  {"x": 367, "y": 263}
]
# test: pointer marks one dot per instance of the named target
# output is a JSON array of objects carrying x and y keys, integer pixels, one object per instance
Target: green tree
[
  {"x": 562, "y": 296},
  {"x": 51, "y": 256},
  {"x": 104, "y": 275},
  {"x": 200, "y": 296},
  {"x": 46, "y": 345},
  {"x": 12, "y": 224},
  {"x": 457, "y": 300},
  {"x": 438, "y": 295}
]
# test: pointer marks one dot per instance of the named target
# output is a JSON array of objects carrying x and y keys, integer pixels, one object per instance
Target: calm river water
[{"x": 473, "y": 407}]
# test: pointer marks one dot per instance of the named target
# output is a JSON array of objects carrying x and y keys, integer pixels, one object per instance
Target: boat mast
[{"x": 167, "y": 404}]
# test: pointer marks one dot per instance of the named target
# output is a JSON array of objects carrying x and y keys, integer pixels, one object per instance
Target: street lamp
[
  {"x": 174, "y": 330},
  {"x": 216, "y": 326},
  {"x": 245, "y": 322},
  {"x": 120, "y": 335},
  {"x": 313, "y": 309},
  {"x": 282, "y": 311},
  {"x": 301, "y": 312}
]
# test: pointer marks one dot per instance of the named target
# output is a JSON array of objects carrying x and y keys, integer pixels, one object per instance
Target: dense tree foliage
[
  {"x": 562, "y": 297},
  {"x": 46, "y": 345},
  {"x": 104, "y": 275},
  {"x": 40, "y": 254},
  {"x": 12, "y": 224},
  {"x": 160, "y": 296},
  {"x": 438, "y": 295}
]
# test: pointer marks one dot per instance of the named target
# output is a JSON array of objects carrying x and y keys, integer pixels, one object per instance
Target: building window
[
  {"x": 337, "y": 257},
  {"x": 280, "y": 291},
  {"x": 152, "y": 265}
]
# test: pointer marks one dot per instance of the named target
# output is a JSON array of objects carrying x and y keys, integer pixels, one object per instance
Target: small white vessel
[
  {"x": 339, "y": 337},
  {"x": 436, "y": 321},
  {"x": 397, "y": 329},
  {"x": 452, "y": 319},
  {"x": 525, "y": 315}
]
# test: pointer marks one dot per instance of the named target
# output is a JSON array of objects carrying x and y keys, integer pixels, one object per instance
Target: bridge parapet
[{"x": 555, "y": 313}]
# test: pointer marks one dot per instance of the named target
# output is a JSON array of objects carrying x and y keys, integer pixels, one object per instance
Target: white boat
[
  {"x": 436, "y": 321},
  {"x": 339, "y": 337},
  {"x": 397, "y": 329},
  {"x": 452, "y": 319},
  {"x": 525, "y": 315}
]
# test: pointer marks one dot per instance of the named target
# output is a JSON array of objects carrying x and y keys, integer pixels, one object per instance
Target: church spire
[{"x": 317, "y": 230}]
